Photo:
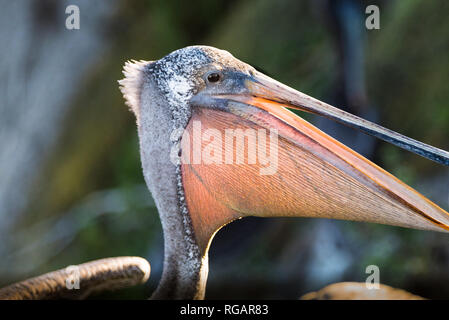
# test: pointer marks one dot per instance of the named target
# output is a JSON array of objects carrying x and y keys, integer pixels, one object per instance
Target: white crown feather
[{"x": 131, "y": 85}]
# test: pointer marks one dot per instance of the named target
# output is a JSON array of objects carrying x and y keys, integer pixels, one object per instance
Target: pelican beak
[
  {"x": 317, "y": 176},
  {"x": 263, "y": 87}
]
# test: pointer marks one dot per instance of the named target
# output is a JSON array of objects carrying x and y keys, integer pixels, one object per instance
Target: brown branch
[
  {"x": 78, "y": 282},
  {"x": 359, "y": 291}
]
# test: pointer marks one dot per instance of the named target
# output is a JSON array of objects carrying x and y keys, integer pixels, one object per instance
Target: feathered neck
[{"x": 185, "y": 269}]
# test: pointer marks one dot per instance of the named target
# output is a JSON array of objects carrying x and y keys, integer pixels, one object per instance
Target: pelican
[
  {"x": 188, "y": 103},
  {"x": 192, "y": 107}
]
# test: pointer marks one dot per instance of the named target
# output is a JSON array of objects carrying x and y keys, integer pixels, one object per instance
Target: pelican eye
[{"x": 213, "y": 77}]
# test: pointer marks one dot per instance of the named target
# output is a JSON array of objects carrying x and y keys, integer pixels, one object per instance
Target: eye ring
[{"x": 213, "y": 77}]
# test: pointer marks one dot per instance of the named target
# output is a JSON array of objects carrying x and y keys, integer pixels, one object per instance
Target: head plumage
[{"x": 131, "y": 85}]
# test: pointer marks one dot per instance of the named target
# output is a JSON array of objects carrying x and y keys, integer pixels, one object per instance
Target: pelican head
[{"x": 193, "y": 106}]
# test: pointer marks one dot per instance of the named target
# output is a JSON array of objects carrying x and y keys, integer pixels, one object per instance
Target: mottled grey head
[{"x": 179, "y": 76}]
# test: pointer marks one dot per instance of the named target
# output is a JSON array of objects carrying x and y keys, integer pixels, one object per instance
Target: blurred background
[{"x": 71, "y": 185}]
